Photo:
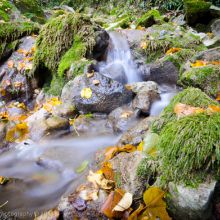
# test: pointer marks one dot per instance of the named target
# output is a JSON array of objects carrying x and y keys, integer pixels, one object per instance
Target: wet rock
[
  {"x": 3, "y": 129},
  {"x": 137, "y": 133},
  {"x": 84, "y": 125},
  {"x": 216, "y": 28},
  {"x": 144, "y": 87},
  {"x": 65, "y": 110},
  {"x": 107, "y": 94},
  {"x": 179, "y": 20},
  {"x": 116, "y": 72},
  {"x": 191, "y": 203},
  {"x": 102, "y": 41},
  {"x": 215, "y": 11},
  {"x": 56, "y": 123},
  {"x": 125, "y": 166},
  {"x": 161, "y": 73},
  {"x": 122, "y": 117},
  {"x": 209, "y": 55}
]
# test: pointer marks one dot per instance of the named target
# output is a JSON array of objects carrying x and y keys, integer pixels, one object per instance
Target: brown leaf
[
  {"x": 112, "y": 200},
  {"x": 182, "y": 110},
  {"x": 108, "y": 171}
]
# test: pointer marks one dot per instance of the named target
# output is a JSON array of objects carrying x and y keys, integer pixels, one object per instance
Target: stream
[{"x": 45, "y": 172}]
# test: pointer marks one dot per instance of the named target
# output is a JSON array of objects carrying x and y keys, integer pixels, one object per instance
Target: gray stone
[
  {"x": 66, "y": 110},
  {"x": 125, "y": 166},
  {"x": 136, "y": 133},
  {"x": 106, "y": 96},
  {"x": 191, "y": 203},
  {"x": 121, "y": 118},
  {"x": 209, "y": 55}
]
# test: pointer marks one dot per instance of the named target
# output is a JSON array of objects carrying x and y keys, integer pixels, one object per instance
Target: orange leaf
[
  {"x": 173, "y": 50},
  {"x": 10, "y": 64},
  {"x": 135, "y": 214},
  {"x": 185, "y": 110},
  {"x": 199, "y": 63},
  {"x": 218, "y": 96},
  {"x": 112, "y": 200},
  {"x": 22, "y": 51},
  {"x": 110, "y": 153},
  {"x": 108, "y": 171},
  {"x": 214, "y": 108}
]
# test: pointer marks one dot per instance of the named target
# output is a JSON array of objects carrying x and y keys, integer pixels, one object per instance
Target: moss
[
  {"x": 191, "y": 96},
  {"x": 206, "y": 78},
  {"x": 197, "y": 11},
  {"x": 31, "y": 9},
  {"x": 123, "y": 22},
  {"x": 57, "y": 37},
  {"x": 10, "y": 31},
  {"x": 166, "y": 36},
  {"x": 180, "y": 57},
  {"x": 7, "y": 48},
  {"x": 190, "y": 146},
  {"x": 150, "y": 18},
  {"x": 5, "y": 8},
  {"x": 72, "y": 56}
]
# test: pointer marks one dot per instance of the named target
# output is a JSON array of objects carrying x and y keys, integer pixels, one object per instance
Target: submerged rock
[
  {"x": 106, "y": 94},
  {"x": 191, "y": 203}
]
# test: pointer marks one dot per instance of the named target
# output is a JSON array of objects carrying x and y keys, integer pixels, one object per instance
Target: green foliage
[
  {"x": 191, "y": 96},
  {"x": 206, "y": 78},
  {"x": 7, "y": 48},
  {"x": 5, "y": 8},
  {"x": 11, "y": 31},
  {"x": 190, "y": 146},
  {"x": 31, "y": 9},
  {"x": 166, "y": 4}
]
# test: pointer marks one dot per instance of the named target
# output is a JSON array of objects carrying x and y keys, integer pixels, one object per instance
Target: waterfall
[{"x": 119, "y": 64}]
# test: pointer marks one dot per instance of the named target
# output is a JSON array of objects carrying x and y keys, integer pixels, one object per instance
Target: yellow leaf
[
  {"x": 199, "y": 63},
  {"x": 10, "y": 64},
  {"x": 86, "y": 93},
  {"x": 140, "y": 146},
  {"x": 4, "y": 116},
  {"x": 144, "y": 45},
  {"x": 155, "y": 205},
  {"x": 48, "y": 106},
  {"x": 22, "y": 51},
  {"x": 3, "y": 180},
  {"x": 108, "y": 171},
  {"x": 218, "y": 96},
  {"x": 185, "y": 110},
  {"x": 88, "y": 192},
  {"x": 96, "y": 82},
  {"x": 18, "y": 133},
  {"x": 173, "y": 50},
  {"x": 214, "y": 108},
  {"x": 140, "y": 28},
  {"x": 135, "y": 214},
  {"x": 17, "y": 84}
]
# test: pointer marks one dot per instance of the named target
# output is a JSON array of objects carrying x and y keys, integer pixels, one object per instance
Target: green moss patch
[
  {"x": 197, "y": 11},
  {"x": 160, "y": 38},
  {"x": 150, "y": 18},
  {"x": 191, "y": 96},
  {"x": 190, "y": 149},
  {"x": 206, "y": 78},
  {"x": 10, "y": 31},
  {"x": 31, "y": 9},
  {"x": 5, "y": 8}
]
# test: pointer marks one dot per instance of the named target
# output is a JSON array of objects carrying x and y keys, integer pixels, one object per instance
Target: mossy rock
[
  {"x": 207, "y": 78},
  {"x": 150, "y": 18},
  {"x": 197, "y": 11},
  {"x": 160, "y": 38},
  {"x": 11, "y": 31},
  {"x": 7, "y": 48},
  {"x": 31, "y": 9},
  {"x": 190, "y": 96},
  {"x": 190, "y": 150}
]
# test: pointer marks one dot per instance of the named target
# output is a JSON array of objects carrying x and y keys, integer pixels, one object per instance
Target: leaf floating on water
[
  {"x": 83, "y": 166},
  {"x": 86, "y": 93},
  {"x": 124, "y": 203}
]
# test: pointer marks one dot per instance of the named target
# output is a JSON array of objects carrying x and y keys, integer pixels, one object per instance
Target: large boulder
[
  {"x": 106, "y": 94},
  {"x": 191, "y": 203}
]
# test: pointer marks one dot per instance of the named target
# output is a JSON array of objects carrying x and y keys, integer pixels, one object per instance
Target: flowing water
[{"x": 44, "y": 172}]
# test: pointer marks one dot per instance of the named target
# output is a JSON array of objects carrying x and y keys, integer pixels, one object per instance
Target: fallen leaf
[
  {"x": 173, "y": 50},
  {"x": 17, "y": 84},
  {"x": 124, "y": 203},
  {"x": 108, "y": 171},
  {"x": 22, "y": 51},
  {"x": 126, "y": 114},
  {"x": 10, "y": 64},
  {"x": 18, "y": 133},
  {"x": 140, "y": 146},
  {"x": 218, "y": 96},
  {"x": 89, "y": 75},
  {"x": 144, "y": 45},
  {"x": 86, "y": 93},
  {"x": 2, "y": 92},
  {"x": 3, "y": 180},
  {"x": 4, "y": 116},
  {"x": 213, "y": 108},
  {"x": 88, "y": 193},
  {"x": 200, "y": 63},
  {"x": 83, "y": 166},
  {"x": 98, "y": 180},
  {"x": 96, "y": 82},
  {"x": 48, "y": 106},
  {"x": 50, "y": 215},
  {"x": 21, "y": 65},
  {"x": 113, "y": 199},
  {"x": 182, "y": 110},
  {"x": 135, "y": 214},
  {"x": 140, "y": 28},
  {"x": 155, "y": 205}
]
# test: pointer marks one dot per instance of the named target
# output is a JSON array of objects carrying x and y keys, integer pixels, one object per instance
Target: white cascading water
[{"x": 119, "y": 63}]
